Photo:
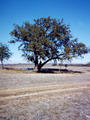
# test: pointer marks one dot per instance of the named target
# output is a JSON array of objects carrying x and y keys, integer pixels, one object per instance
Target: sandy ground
[{"x": 44, "y": 96}]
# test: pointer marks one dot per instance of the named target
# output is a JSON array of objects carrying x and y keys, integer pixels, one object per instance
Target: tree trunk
[
  {"x": 36, "y": 64},
  {"x": 2, "y": 65},
  {"x": 37, "y": 68}
]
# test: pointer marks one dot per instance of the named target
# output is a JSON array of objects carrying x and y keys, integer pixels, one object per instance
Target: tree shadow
[
  {"x": 45, "y": 70},
  {"x": 54, "y": 70}
]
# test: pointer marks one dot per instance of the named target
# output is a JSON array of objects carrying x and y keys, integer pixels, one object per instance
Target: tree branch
[{"x": 50, "y": 60}]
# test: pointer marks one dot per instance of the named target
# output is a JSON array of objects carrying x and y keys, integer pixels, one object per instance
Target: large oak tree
[{"x": 45, "y": 40}]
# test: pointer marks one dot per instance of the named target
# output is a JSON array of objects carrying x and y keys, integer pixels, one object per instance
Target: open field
[{"x": 45, "y": 96}]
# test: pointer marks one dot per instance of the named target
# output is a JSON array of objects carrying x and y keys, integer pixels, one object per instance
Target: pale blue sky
[{"x": 75, "y": 12}]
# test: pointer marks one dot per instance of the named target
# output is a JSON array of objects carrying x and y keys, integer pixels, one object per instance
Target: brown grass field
[{"x": 26, "y": 95}]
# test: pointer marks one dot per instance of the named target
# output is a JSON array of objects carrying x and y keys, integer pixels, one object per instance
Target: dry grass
[{"x": 40, "y": 96}]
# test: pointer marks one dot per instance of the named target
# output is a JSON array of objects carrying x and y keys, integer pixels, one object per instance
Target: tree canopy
[
  {"x": 47, "y": 39},
  {"x": 4, "y": 53}
]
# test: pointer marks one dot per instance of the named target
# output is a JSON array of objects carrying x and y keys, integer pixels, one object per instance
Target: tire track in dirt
[{"x": 42, "y": 90}]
